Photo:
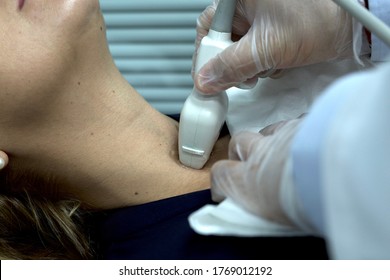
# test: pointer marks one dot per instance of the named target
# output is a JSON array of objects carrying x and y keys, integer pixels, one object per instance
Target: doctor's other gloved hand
[
  {"x": 253, "y": 174},
  {"x": 272, "y": 35}
]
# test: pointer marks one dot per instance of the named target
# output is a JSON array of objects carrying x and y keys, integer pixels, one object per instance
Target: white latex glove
[
  {"x": 274, "y": 34},
  {"x": 3, "y": 160},
  {"x": 252, "y": 175}
]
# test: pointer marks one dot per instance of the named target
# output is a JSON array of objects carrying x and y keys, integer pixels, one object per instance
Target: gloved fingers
[
  {"x": 3, "y": 160},
  {"x": 252, "y": 177},
  {"x": 249, "y": 84},
  {"x": 266, "y": 73},
  {"x": 252, "y": 82},
  {"x": 204, "y": 21},
  {"x": 242, "y": 144},
  {"x": 277, "y": 74},
  {"x": 231, "y": 67},
  {"x": 275, "y": 127},
  {"x": 236, "y": 180},
  {"x": 203, "y": 24},
  {"x": 240, "y": 22},
  {"x": 226, "y": 179},
  {"x": 272, "y": 128}
]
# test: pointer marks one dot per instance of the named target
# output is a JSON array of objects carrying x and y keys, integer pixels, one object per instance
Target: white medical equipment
[
  {"x": 228, "y": 218},
  {"x": 371, "y": 22},
  {"x": 203, "y": 116}
]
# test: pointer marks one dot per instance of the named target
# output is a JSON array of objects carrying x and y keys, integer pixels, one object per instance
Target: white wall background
[{"x": 152, "y": 42}]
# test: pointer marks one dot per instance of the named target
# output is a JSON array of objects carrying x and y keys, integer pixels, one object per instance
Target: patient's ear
[{"x": 3, "y": 159}]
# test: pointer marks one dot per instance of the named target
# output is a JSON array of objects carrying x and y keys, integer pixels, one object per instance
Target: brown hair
[{"x": 38, "y": 226}]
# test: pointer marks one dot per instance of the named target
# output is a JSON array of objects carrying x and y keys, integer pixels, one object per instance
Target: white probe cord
[{"x": 371, "y": 22}]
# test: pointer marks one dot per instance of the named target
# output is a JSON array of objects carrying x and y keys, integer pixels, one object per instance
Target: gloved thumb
[
  {"x": 234, "y": 177},
  {"x": 224, "y": 177},
  {"x": 231, "y": 67}
]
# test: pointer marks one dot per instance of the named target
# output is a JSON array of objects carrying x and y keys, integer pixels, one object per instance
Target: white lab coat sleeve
[
  {"x": 306, "y": 153},
  {"x": 355, "y": 164},
  {"x": 341, "y": 166},
  {"x": 381, "y": 9}
]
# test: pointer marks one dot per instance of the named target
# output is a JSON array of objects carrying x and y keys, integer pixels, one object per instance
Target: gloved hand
[
  {"x": 3, "y": 160},
  {"x": 252, "y": 175},
  {"x": 274, "y": 34}
]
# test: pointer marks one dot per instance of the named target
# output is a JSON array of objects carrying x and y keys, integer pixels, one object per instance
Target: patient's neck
[{"x": 107, "y": 146}]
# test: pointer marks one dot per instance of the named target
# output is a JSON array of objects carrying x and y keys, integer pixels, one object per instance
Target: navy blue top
[{"x": 160, "y": 230}]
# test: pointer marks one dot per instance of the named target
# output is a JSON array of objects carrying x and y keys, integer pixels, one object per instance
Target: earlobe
[{"x": 3, "y": 159}]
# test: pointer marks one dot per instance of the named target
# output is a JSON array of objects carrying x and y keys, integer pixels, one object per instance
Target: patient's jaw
[
  {"x": 75, "y": 118},
  {"x": 109, "y": 150},
  {"x": 40, "y": 45}
]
